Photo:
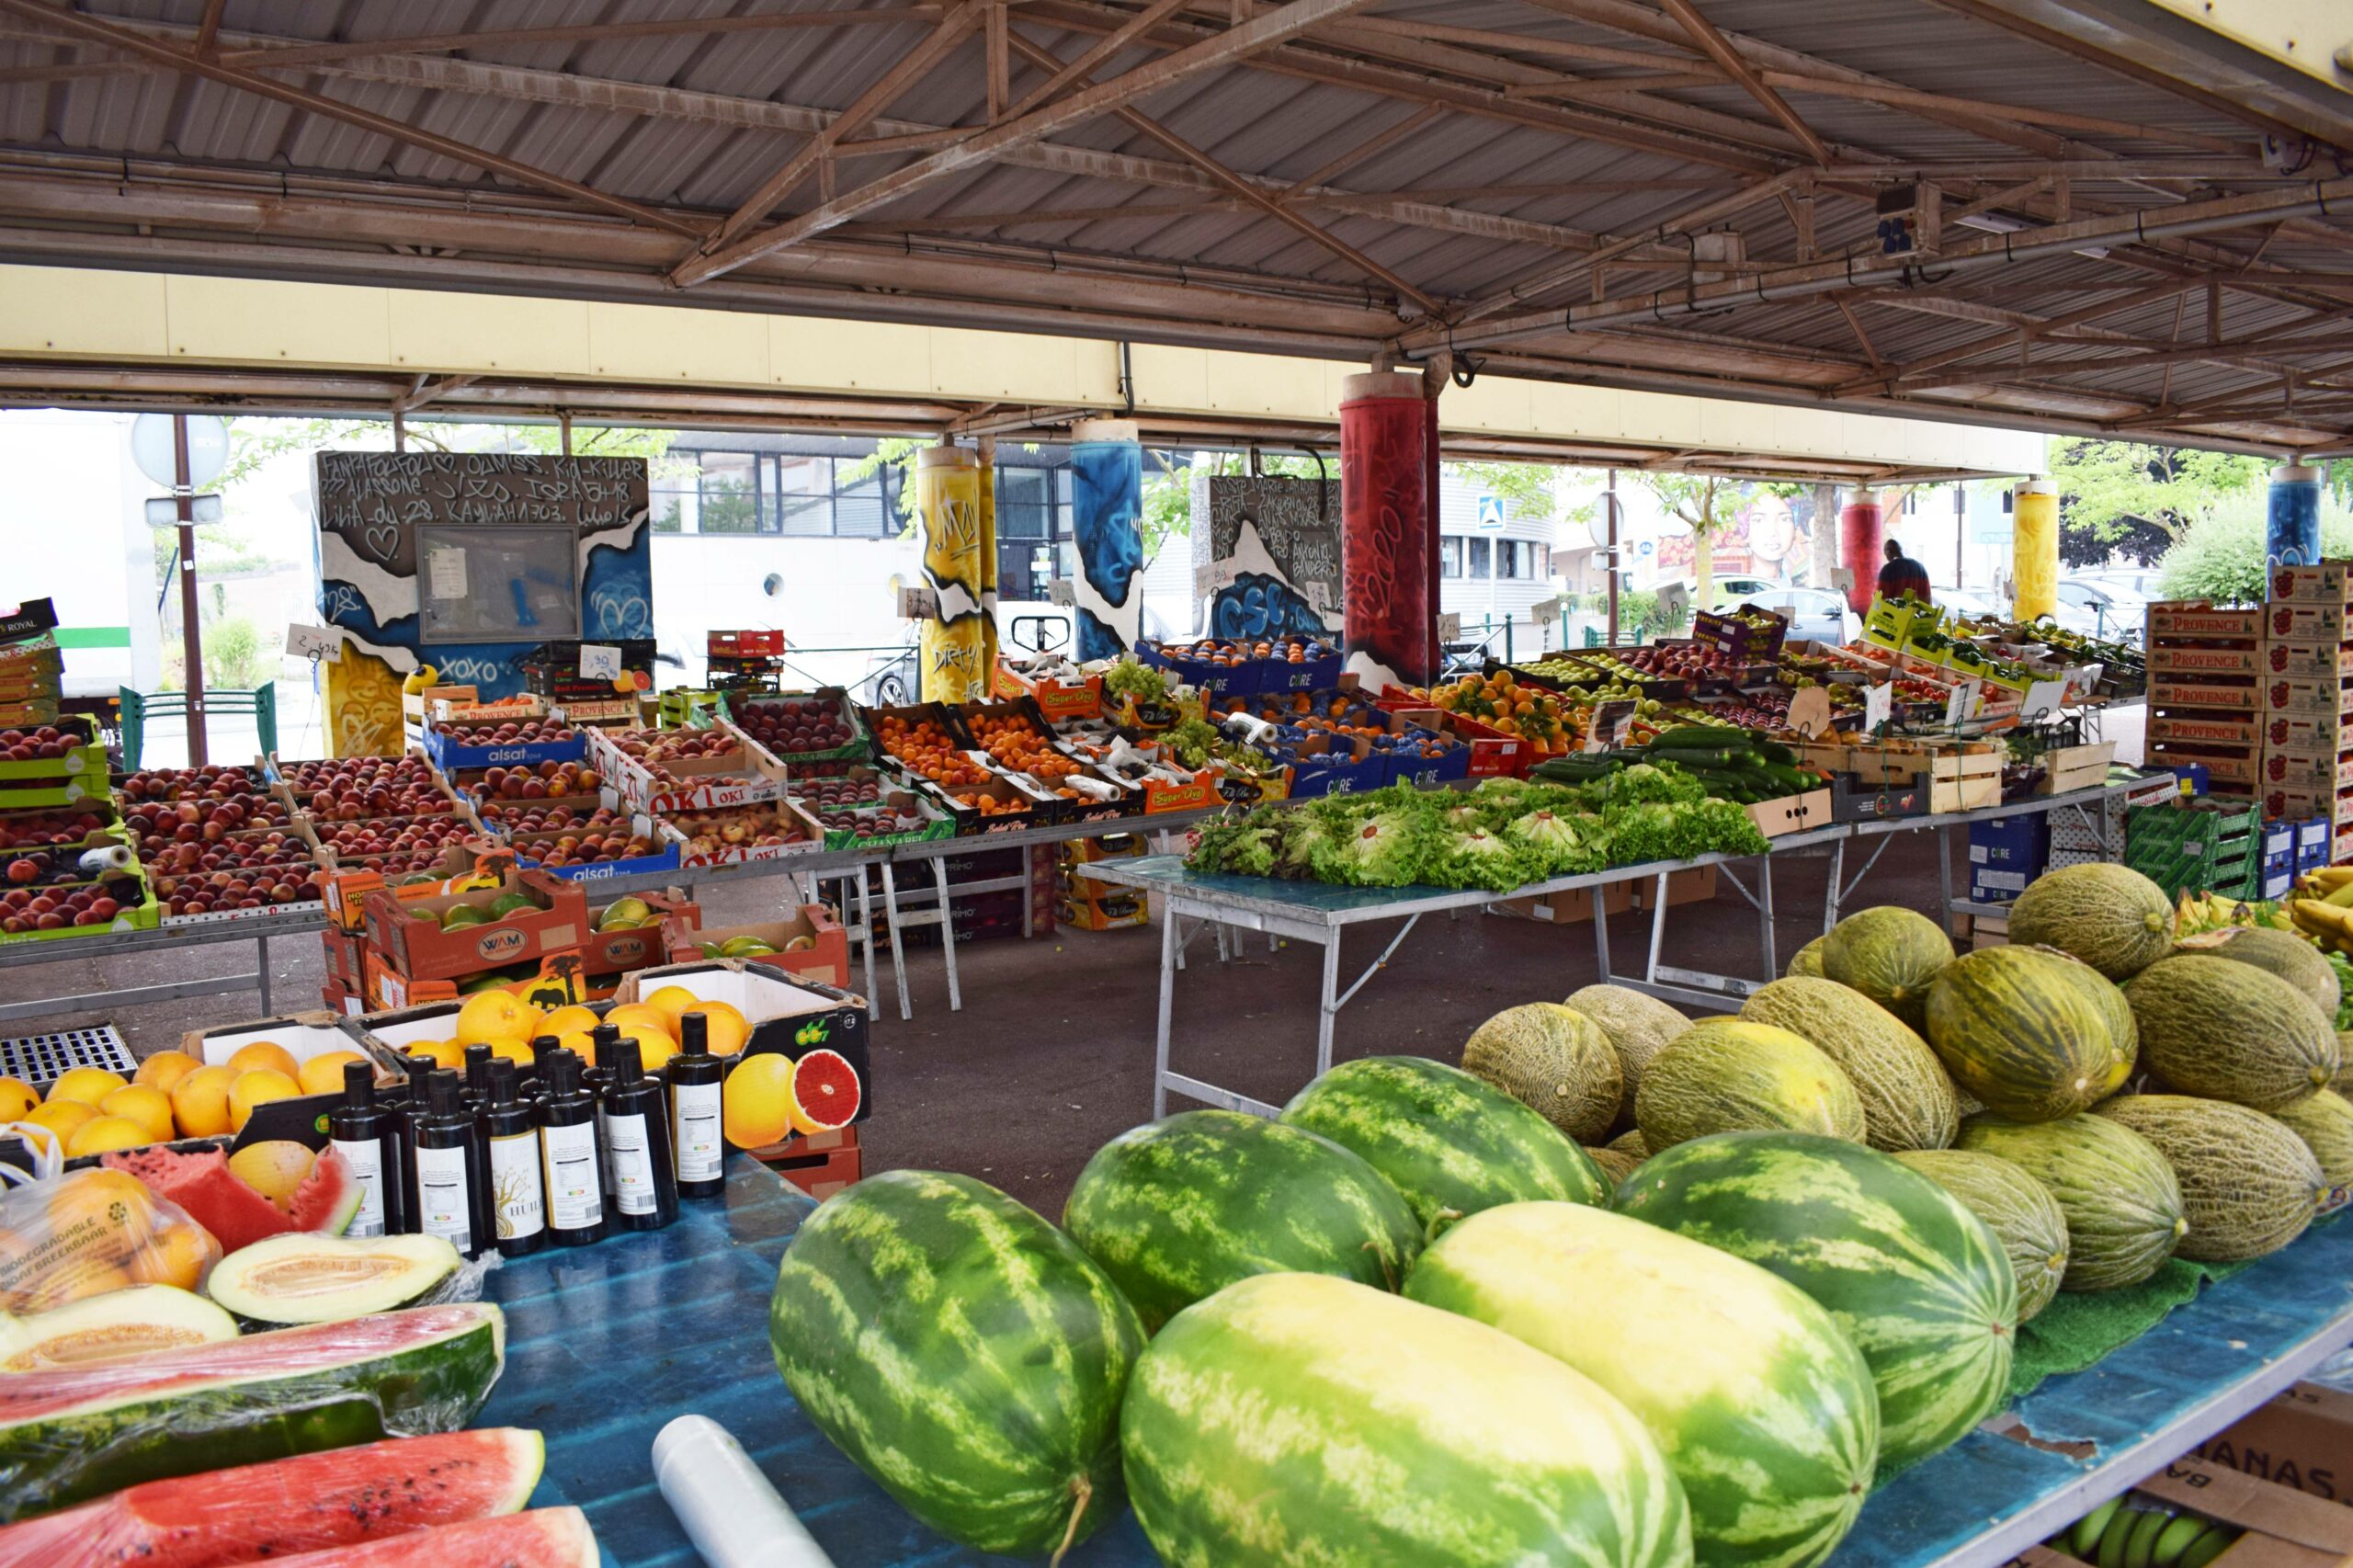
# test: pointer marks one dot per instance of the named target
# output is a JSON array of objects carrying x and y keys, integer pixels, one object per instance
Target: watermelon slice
[
  {"x": 270, "y": 1511},
  {"x": 76, "y": 1433},
  {"x": 544, "y": 1538},
  {"x": 201, "y": 1183},
  {"x": 826, "y": 1092}
]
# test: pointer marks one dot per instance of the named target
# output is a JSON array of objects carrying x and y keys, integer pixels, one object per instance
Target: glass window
[
  {"x": 1479, "y": 558},
  {"x": 861, "y": 510},
  {"x": 804, "y": 495},
  {"x": 1450, "y": 557},
  {"x": 1024, "y": 505},
  {"x": 728, "y": 491}
]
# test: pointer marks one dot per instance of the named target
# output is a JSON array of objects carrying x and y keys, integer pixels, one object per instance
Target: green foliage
[
  {"x": 2219, "y": 555},
  {"x": 254, "y": 441},
  {"x": 234, "y": 656},
  {"x": 2106, "y": 489}
]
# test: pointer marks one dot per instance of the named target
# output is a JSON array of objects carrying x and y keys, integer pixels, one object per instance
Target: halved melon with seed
[
  {"x": 136, "y": 1321},
  {"x": 302, "y": 1278}
]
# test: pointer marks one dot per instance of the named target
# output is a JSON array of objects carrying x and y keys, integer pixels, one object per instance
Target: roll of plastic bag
[{"x": 731, "y": 1513}]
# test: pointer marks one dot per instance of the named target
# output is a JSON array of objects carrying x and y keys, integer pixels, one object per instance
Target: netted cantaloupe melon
[
  {"x": 2284, "y": 953},
  {"x": 2028, "y": 1032},
  {"x": 1615, "y": 1163},
  {"x": 2110, "y": 916},
  {"x": 2248, "y": 1185},
  {"x": 1553, "y": 1059},
  {"x": 2018, "y": 1209},
  {"x": 1807, "y": 960},
  {"x": 1890, "y": 955},
  {"x": 2231, "y": 1031},
  {"x": 1907, "y": 1097},
  {"x": 2324, "y": 1121},
  {"x": 1730, "y": 1075},
  {"x": 1631, "y": 1142},
  {"x": 2122, "y": 1205},
  {"x": 1637, "y": 1026}
]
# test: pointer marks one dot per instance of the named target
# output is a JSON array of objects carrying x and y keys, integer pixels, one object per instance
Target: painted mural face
[{"x": 1106, "y": 503}]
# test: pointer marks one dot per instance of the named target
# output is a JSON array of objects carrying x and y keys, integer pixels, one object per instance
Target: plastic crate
[{"x": 41, "y": 1059}]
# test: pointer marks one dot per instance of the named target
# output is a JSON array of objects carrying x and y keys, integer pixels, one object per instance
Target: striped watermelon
[
  {"x": 1298, "y": 1419},
  {"x": 1180, "y": 1209},
  {"x": 1451, "y": 1143},
  {"x": 1918, "y": 1281},
  {"x": 963, "y": 1352},
  {"x": 1765, "y": 1410}
]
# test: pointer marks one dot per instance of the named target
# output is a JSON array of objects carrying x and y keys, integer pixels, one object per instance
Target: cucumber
[{"x": 1683, "y": 738}]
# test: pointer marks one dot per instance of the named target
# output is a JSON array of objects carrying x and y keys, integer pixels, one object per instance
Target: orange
[
  {"x": 755, "y": 1103},
  {"x": 322, "y": 1073},
  {"x": 144, "y": 1104},
  {"x": 490, "y": 1015},
  {"x": 17, "y": 1097},
  {"x": 725, "y": 1028},
  {"x": 257, "y": 1087},
  {"x": 631, "y": 1017},
  {"x": 671, "y": 1001},
  {"x": 166, "y": 1069},
  {"x": 445, "y": 1052},
  {"x": 567, "y": 1018},
  {"x": 264, "y": 1054},
  {"x": 65, "y": 1117},
  {"x": 101, "y": 1134},
  {"x": 200, "y": 1102},
  {"x": 579, "y": 1044},
  {"x": 518, "y": 1051},
  {"x": 88, "y": 1085},
  {"x": 176, "y": 1254}
]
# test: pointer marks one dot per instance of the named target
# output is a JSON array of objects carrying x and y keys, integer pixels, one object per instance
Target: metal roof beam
[
  {"x": 297, "y": 52},
  {"x": 1210, "y": 54},
  {"x": 1703, "y": 32},
  {"x": 96, "y": 32}
]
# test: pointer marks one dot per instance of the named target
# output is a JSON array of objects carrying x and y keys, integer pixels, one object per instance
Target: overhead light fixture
[{"x": 1992, "y": 223}]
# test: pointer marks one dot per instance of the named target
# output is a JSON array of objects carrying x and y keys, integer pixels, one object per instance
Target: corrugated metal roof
[{"x": 1550, "y": 126}]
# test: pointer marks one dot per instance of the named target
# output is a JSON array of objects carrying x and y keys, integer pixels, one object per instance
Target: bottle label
[
  {"x": 442, "y": 1205},
  {"x": 515, "y": 1187},
  {"x": 626, "y": 1141},
  {"x": 366, "y": 1158},
  {"x": 694, "y": 1131},
  {"x": 604, "y": 1150},
  {"x": 575, "y": 1195}
]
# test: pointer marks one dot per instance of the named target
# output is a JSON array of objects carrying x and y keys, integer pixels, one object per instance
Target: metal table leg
[
  {"x": 1658, "y": 927},
  {"x": 1330, "y": 1010},
  {"x": 1764, "y": 914},
  {"x": 261, "y": 971},
  {"x": 947, "y": 932},
  {"x": 1600, "y": 938},
  {"x": 1831, "y": 892},
  {"x": 898, "y": 952},
  {"x": 1942, "y": 836},
  {"x": 1168, "y": 955},
  {"x": 866, "y": 920}
]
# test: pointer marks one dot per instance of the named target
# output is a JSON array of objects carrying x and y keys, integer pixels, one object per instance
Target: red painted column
[
  {"x": 1858, "y": 547},
  {"x": 1389, "y": 523}
]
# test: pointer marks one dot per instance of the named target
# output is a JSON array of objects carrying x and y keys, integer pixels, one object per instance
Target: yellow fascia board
[{"x": 89, "y": 314}]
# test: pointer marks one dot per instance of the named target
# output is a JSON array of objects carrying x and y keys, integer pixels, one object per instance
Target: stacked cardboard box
[
  {"x": 2074, "y": 840},
  {"x": 2307, "y": 691},
  {"x": 1085, "y": 905},
  {"x": 2205, "y": 702},
  {"x": 31, "y": 668}
]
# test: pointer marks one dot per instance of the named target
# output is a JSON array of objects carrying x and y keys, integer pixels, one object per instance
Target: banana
[
  {"x": 2330, "y": 876},
  {"x": 2208, "y": 1547},
  {"x": 2174, "y": 1539},
  {"x": 2145, "y": 1537},
  {"x": 2341, "y": 895},
  {"x": 2118, "y": 1536},
  {"x": 2083, "y": 1537}
]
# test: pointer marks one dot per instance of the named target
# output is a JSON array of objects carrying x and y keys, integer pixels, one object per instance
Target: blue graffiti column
[
  {"x": 2293, "y": 537},
  {"x": 1105, "y": 525}
]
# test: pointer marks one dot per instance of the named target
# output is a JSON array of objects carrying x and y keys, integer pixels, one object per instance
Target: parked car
[
  {"x": 1724, "y": 592},
  {"x": 1816, "y": 615},
  {"x": 2100, "y": 607},
  {"x": 1974, "y": 603}
]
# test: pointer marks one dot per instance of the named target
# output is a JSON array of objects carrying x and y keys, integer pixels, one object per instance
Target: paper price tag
[
  {"x": 1961, "y": 703},
  {"x": 1810, "y": 711},
  {"x": 1879, "y": 705},
  {"x": 314, "y": 643},
  {"x": 1061, "y": 591},
  {"x": 1610, "y": 723},
  {"x": 1449, "y": 627},
  {"x": 2042, "y": 699},
  {"x": 445, "y": 571},
  {"x": 599, "y": 661}
]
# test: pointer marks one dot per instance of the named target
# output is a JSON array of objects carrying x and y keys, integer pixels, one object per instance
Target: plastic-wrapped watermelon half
[
  {"x": 201, "y": 1183},
  {"x": 74, "y": 1433},
  {"x": 269, "y": 1512}
]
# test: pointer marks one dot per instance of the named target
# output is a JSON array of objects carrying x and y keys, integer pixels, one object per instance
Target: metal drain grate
[{"x": 41, "y": 1059}]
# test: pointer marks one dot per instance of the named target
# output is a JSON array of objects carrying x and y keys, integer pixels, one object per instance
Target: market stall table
[{"x": 606, "y": 1343}]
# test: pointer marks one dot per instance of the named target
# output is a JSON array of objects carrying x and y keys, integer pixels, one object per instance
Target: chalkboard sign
[{"x": 1267, "y": 555}]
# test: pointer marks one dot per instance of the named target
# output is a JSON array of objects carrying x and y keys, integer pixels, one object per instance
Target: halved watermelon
[
  {"x": 76, "y": 1433},
  {"x": 201, "y": 1183},
  {"x": 544, "y": 1538},
  {"x": 826, "y": 1092},
  {"x": 270, "y": 1511}
]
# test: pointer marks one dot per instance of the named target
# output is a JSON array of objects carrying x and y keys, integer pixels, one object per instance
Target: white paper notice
[
  {"x": 1879, "y": 703},
  {"x": 599, "y": 661},
  {"x": 1449, "y": 627},
  {"x": 1961, "y": 703},
  {"x": 314, "y": 643},
  {"x": 445, "y": 572},
  {"x": 2042, "y": 698}
]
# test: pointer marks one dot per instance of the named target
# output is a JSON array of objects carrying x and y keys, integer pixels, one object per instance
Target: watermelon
[
  {"x": 1295, "y": 1418},
  {"x": 80, "y": 1432},
  {"x": 544, "y": 1538},
  {"x": 963, "y": 1352},
  {"x": 1451, "y": 1143},
  {"x": 1766, "y": 1412},
  {"x": 1180, "y": 1209},
  {"x": 2023, "y": 1031},
  {"x": 274, "y": 1510},
  {"x": 1917, "y": 1281},
  {"x": 201, "y": 1182}
]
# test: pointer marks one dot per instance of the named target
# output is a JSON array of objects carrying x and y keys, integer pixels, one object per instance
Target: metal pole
[
  {"x": 1609, "y": 562},
  {"x": 191, "y": 638},
  {"x": 563, "y": 424},
  {"x": 400, "y": 432}
]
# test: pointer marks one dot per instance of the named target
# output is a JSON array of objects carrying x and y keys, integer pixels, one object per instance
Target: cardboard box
[
  {"x": 1852, "y": 800},
  {"x": 1056, "y": 697},
  {"x": 2195, "y": 618},
  {"x": 300, "y": 1119},
  {"x": 2304, "y": 622},
  {"x": 791, "y": 1015},
  {"x": 2303, "y": 1439},
  {"x": 2206, "y": 659},
  {"x": 741, "y": 777},
  {"x": 1696, "y": 885},
  {"x": 1795, "y": 814},
  {"x": 560, "y": 980},
  {"x": 473, "y": 864},
  {"x": 821, "y": 1164},
  {"x": 78, "y": 772},
  {"x": 408, "y": 933},
  {"x": 2307, "y": 734},
  {"x": 1092, "y": 906},
  {"x": 2316, "y": 773},
  {"x": 2240, "y": 767},
  {"x": 2205, "y": 728},
  {"x": 809, "y": 942},
  {"x": 2318, "y": 696},
  {"x": 2006, "y": 854},
  {"x": 625, "y": 948},
  {"x": 2324, "y": 582},
  {"x": 2319, "y": 660},
  {"x": 1574, "y": 908},
  {"x": 2217, "y": 693}
]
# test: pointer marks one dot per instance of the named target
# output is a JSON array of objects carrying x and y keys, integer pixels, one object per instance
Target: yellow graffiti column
[
  {"x": 363, "y": 707},
  {"x": 2034, "y": 548},
  {"x": 959, "y": 650}
]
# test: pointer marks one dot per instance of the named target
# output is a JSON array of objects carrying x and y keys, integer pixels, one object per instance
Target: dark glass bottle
[
  {"x": 517, "y": 1191},
  {"x": 420, "y": 1070},
  {"x": 570, "y": 1168},
  {"x": 368, "y": 1137},
  {"x": 447, "y": 1171},
  {"x": 637, "y": 1131},
  {"x": 696, "y": 1146},
  {"x": 597, "y": 1077}
]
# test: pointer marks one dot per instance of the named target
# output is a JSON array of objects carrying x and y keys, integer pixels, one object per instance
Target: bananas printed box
[
  {"x": 2324, "y": 582},
  {"x": 2302, "y": 1438}
]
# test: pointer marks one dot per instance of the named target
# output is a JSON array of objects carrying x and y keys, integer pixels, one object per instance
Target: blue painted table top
[{"x": 607, "y": 1343}]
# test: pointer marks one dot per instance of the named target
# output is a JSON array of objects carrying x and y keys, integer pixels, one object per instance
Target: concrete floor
[{"x": 1051, "y": 1054}]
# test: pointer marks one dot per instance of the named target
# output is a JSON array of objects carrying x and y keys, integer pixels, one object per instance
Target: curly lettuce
[
  {"x": 1480, "y": 860},
  {"x": 1559, "y": 842},
  {"x": 1384, "y": 849}
]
